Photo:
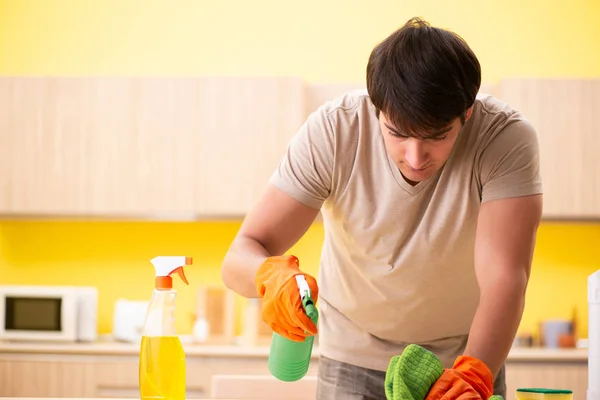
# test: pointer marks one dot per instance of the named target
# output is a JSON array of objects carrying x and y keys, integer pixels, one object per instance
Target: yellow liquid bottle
[{"x": 162, "y": 370}]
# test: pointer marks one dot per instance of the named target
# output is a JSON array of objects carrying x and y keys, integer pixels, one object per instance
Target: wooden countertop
[
  {"x": 120, "y": 348},
  {"x": 543, "y": 354}
]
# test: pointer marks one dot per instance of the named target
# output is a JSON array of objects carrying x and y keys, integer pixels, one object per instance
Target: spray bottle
[
  {"x": 288, "y": 359},
  {"x": 162, "y": 360},
  {"x": 593, "y": 292}
]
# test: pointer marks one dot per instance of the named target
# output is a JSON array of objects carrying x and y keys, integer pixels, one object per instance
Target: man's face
[{"x": 419, "y": 159}]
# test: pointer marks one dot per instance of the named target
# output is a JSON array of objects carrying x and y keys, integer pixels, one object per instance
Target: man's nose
[{"x": 416, "y": 153}]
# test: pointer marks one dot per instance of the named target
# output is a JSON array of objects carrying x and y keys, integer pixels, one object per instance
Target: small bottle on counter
[
  {"x": 200, "y": 329},
  {"x": 250, "y": 320}
]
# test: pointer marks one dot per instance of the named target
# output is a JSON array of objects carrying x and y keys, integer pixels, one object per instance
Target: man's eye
[
  {"x": 397, "y": 135},
  {"x": 439, "y": 139}
]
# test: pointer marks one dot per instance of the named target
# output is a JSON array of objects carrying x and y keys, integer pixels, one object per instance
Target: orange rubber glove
[
  {"x": 468, "y": 379},
  {"x": 282, "y": 307}
]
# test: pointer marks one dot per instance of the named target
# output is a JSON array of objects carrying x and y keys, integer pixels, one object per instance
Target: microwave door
[
  {"x": 43, "y": 317},
  {"x": 33, "y": 314}
]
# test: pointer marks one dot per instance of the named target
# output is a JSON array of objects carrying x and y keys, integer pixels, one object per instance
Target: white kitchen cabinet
[
  {"x": 564, "y": 113},
  {"x": 142, "y": 147}
]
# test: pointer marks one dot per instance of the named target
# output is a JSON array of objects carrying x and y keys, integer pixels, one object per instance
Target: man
[{"x": 431, "y": 199}]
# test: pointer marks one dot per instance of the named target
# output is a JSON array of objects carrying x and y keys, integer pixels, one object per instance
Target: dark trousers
[{"x": 341, "y": 381}]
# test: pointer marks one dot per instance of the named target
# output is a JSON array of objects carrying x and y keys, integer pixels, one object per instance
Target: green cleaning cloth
[{"x": 410, "y": 375}]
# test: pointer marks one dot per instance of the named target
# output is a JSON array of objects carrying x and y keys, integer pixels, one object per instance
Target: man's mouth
[{"x": 417, "y": 169}]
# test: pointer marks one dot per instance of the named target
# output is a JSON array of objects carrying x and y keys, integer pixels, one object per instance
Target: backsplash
[{"x": 115, "y": 257}]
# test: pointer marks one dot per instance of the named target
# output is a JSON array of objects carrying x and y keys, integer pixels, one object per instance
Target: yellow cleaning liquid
[{"x": 162, "y": 368}]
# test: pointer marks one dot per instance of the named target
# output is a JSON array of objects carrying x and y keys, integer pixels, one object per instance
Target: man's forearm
[
  {"x": 239, "y": 267},
  {"x": 496, "y": 322}
]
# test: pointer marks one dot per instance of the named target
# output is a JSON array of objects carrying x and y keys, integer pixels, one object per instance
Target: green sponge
[{"x": 410, "y": 375}]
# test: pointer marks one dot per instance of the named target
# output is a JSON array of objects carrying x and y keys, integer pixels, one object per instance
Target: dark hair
[{"x": 422, "y": 78}]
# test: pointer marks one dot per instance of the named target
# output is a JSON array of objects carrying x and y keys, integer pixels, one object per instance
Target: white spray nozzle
[
  {"x": 166, "y": 265},
  {"x": 303, "y": 287}
]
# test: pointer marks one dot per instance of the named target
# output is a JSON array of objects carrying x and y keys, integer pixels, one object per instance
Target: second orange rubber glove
[
  {"x": 282, "y": 307},
  {"x": 468, "y": 379}
]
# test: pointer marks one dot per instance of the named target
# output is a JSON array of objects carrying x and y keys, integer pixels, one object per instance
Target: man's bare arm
[
  {"x": 504, "y": 248},
  {"x": 271, "y": 228}
]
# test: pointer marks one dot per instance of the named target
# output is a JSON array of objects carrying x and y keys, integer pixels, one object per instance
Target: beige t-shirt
[{"x": 397, "y": 263}]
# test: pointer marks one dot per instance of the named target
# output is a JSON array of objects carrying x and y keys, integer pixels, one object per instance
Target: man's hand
[
  {"x": 282, "y": 306},
  {"x": 468, "y": 379}
]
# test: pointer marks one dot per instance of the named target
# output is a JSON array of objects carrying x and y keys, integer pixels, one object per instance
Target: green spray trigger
[{"x": 306, "y": 297}]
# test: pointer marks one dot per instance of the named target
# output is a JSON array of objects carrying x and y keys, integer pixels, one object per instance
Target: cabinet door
[
  {"x": 46, "y": 379},
  {"x": 44, "y": 146},
  {"x": 548, "y": 375},
  {"x": 98, "y": 146},
  {"x": 144, "y": 138},
  {"x": 563, "y": 111},
  {"x": 246, "y": 124},
  {"x": 142, "y": 147}
]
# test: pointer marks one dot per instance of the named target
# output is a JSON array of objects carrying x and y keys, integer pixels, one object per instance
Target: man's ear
[{"x": 468, "y": 113}]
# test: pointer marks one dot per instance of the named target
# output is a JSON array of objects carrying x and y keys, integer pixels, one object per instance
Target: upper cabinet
[
  {"x": 564, "y": 113},
  {"x": 246, "y": 125},
  {"x": 142, "y": 147},
  {"x": 205, "y": 146}
]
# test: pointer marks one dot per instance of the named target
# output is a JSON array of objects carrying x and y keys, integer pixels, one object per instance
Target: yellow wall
[
  {"x": 115, "y": 257},
  {"x": 324, "y": 41},
  {"x": 321, "y": 40}
]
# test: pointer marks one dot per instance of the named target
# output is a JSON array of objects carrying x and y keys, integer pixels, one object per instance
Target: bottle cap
[{"x": 167, "y": 265}]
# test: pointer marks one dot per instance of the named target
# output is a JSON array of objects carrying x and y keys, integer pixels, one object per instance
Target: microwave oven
[{"x": 48, "y": 313}]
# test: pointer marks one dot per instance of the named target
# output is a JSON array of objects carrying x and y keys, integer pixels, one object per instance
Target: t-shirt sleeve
[
  {"x": 306, "y": 169},
  {"x": 510, "y": 163}
]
